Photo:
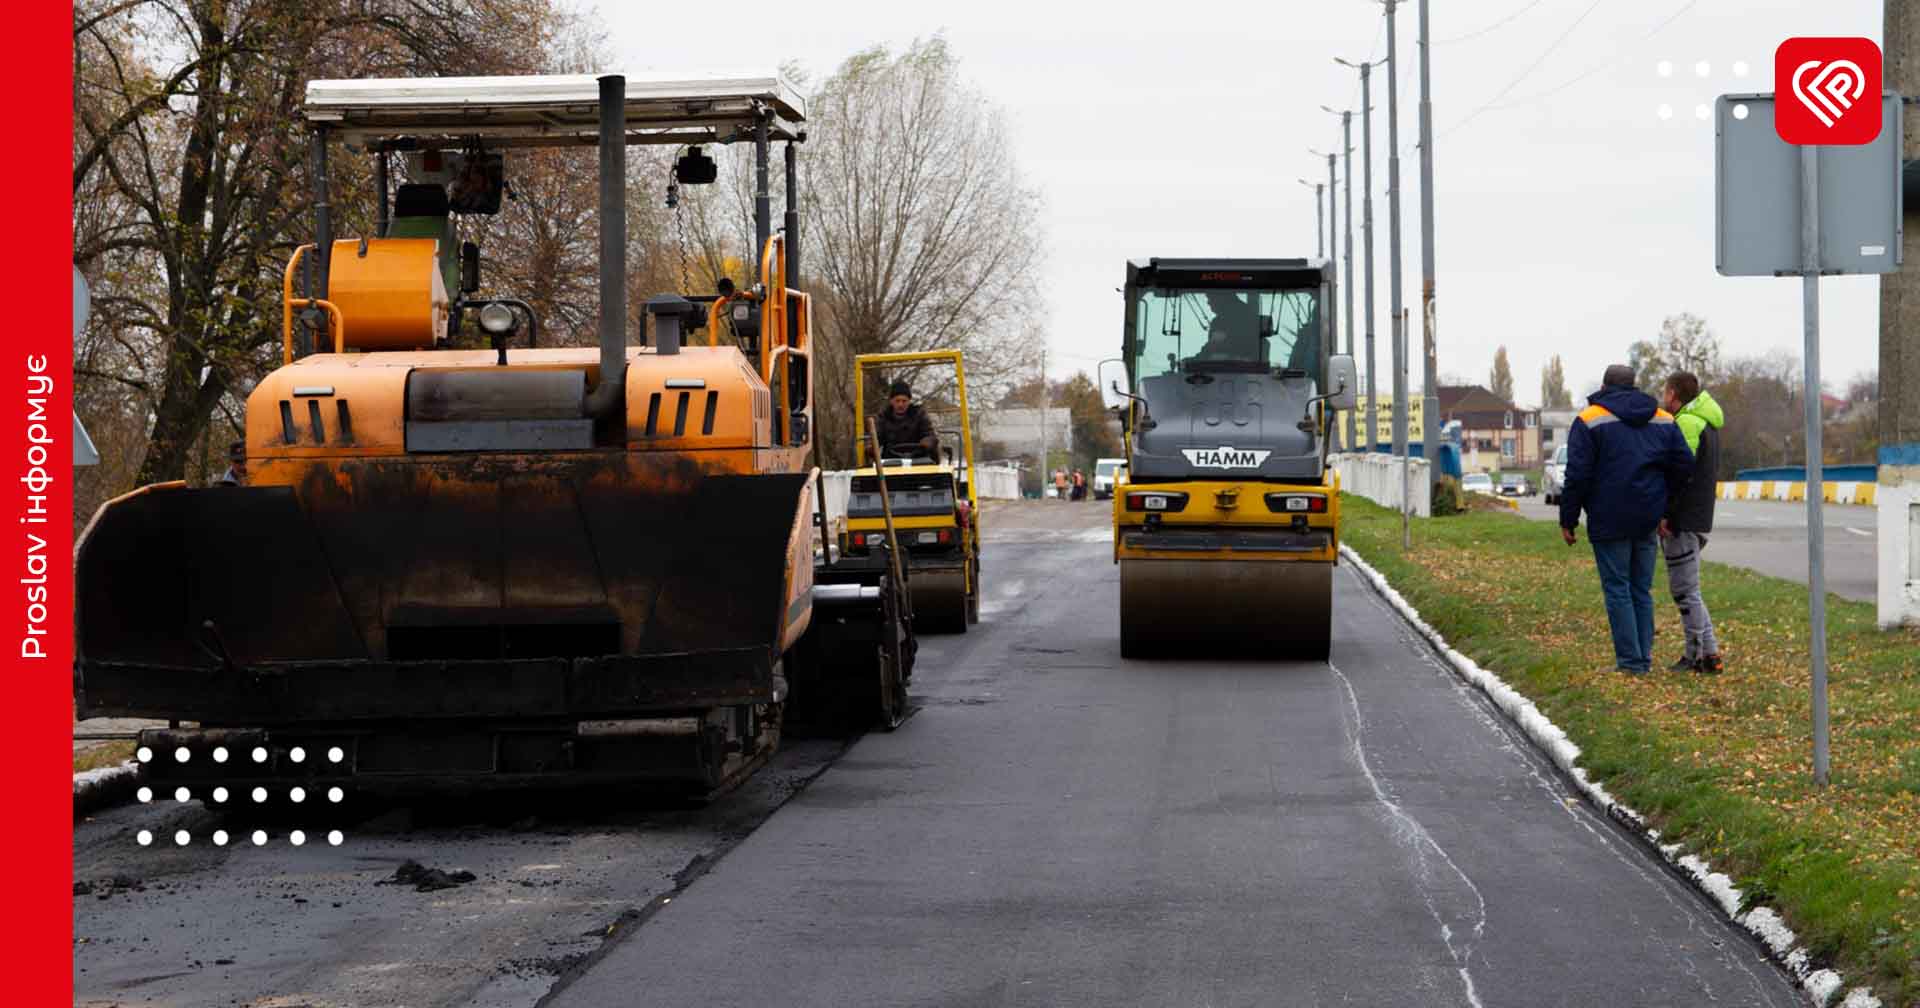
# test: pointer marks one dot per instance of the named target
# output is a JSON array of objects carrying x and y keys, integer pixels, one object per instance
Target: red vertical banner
[{"x": 36, "y": 440}]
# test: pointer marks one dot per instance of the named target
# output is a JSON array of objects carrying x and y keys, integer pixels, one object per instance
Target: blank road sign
[{"x": 1757, "y": 195}]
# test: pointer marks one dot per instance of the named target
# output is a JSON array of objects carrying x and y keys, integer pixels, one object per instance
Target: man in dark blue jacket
[{"x": 1626, "y": 459}]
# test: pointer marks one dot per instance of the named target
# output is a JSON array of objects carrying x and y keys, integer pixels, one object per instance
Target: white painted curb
[
  {"x": 1762, "y": 922},
  {"x": 103, "y": 786}
]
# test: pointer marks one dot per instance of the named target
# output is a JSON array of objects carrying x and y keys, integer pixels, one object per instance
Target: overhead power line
[
  {"x": 1571, "y": 81},
  {"x": 1492, "y": 27},
  {"x": 1535, "y": 65},
  {"x": 1495, "y": 102}
]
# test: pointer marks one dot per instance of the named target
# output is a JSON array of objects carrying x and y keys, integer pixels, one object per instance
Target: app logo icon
[{"x": 1827, "y": 91}]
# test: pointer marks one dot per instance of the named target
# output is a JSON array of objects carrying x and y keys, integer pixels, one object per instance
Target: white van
[{"x": 1105, "y": 472}]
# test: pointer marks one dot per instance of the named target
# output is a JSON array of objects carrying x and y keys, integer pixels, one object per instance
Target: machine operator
[{"x": 904, "y": 427}]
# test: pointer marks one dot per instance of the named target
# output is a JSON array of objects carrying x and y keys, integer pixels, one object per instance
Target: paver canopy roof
[{"x": 552, "y": 110}]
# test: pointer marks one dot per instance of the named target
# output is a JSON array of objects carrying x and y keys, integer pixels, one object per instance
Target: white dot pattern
[{"x": 221, "y": 837}]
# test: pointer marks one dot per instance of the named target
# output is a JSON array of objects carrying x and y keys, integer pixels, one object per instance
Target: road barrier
[
  {"x": 996, "y": 483},
  {"x": 1832, "y": 491},
  {"x": 1376, "y": 476}
]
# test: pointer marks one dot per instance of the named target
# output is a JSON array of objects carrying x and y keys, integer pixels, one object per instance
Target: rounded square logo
[{"x": 1827, "y": 91}]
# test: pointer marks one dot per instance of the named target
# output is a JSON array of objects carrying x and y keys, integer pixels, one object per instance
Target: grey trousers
[{"x": 1682, "y": 550}]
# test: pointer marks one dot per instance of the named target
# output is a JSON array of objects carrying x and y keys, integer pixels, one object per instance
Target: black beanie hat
[{"x": 900, "y": 387}]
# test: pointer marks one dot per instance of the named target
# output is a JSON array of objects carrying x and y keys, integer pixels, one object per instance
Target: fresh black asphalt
[{"x": 1057, "y": 826}]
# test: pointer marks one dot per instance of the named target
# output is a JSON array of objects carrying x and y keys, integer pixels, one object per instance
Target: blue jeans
[{"x": 1626, "y": 580}]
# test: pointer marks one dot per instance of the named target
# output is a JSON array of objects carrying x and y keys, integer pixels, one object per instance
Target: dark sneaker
[
  {"x": 1708, "y": 665},
  {"x": 1685, "y": 665},
  {"x": 1631, "y": 671}
]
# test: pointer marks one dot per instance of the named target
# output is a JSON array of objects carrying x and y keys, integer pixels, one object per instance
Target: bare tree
[
  {"x": 920, "y": 230},
  {"x": 1684, "y": 344}
]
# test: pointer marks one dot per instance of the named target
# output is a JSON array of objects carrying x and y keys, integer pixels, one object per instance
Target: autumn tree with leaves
[
  {"x": 191, "y": 188},
  {"x": 1553, "y": 386},
  {"x": 1501, "y": 381}
]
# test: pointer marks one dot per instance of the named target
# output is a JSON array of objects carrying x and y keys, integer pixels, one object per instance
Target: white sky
[{"x": 1569, "y": 223}]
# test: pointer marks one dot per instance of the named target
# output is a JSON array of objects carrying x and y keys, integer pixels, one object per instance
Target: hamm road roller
[
  {"x": 934, "y": 506},
  {"x": 511, "y": 565},
  {"x": 1226, "y": 517}
]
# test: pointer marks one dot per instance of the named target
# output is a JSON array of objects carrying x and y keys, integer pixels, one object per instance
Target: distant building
[
  {"x": 1554, "y": 425},
  {"x": 1494, "y": 433},
  {"x": 1018, "y": 428}
]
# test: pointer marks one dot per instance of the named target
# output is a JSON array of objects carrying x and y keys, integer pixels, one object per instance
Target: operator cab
[{"x": 1227, "y": 360}]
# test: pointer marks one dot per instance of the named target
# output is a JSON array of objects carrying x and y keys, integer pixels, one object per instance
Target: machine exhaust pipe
[{"x": 607, "y": 397}]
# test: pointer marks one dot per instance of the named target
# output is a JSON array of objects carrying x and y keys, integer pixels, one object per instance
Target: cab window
[{"x": 1188, "y": 330}]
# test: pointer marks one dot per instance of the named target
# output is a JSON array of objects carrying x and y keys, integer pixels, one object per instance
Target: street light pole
[
  {"x": 1333, "y": 306},
  {"x": 1346, "y": 147},
  {"x": 1366, "y": 232},
  {"x": 1346, "y": 153},
  {"x": 1331, "y": 251},
  {"x": 1393, "y": 294},
  {"x": 1319, "y": 217},
  {"x": 1430, "y": 410}
]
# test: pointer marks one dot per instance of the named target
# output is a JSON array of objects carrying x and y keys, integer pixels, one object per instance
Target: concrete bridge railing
[{"x": 1377, "y": 477}]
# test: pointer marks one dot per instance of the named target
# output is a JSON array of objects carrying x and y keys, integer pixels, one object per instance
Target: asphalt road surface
[
  {"x": 1771, "y": 537},
  {"x": 278, "y": 926},
  {"x": 1053, "y": 826},
  {"x": 1057, "y": 826}
]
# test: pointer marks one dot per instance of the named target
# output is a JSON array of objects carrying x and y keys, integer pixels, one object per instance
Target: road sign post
[
  {"x": 1806, "y": 210},
  {"x": 1816, "y": 486}
]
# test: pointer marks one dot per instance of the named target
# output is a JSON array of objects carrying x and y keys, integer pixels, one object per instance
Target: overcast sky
[{"x": 1570, "y": 216}]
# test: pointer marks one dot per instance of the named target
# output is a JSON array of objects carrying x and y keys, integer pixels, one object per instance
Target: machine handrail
[
  {"x": 786, "y": 385},
  {"x": 336, "y": 323},
  {"x": 773, "y": 310}
]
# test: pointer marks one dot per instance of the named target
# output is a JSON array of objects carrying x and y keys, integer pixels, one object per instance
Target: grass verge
[
  {"x": 1722, "y": 763},
  {"x": 104, "y": 755}
]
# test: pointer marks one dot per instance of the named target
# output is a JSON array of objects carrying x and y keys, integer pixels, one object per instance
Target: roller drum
[
  {"x": 1225, "y": 608},
  {"x": 939, "y": 599}
]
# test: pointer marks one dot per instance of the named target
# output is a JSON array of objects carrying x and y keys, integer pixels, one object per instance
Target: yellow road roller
[
  {"x": 935, "y": 508},
  {"x": 1226, "y": 518}
]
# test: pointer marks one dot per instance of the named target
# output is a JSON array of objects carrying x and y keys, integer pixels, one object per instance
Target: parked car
[
  {"x": 1555, "y": 476},
  {"x": 1514, "y": 485},
  {"x": 1477, "y": 482},
  {"x": 1105, "y": 472}
]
